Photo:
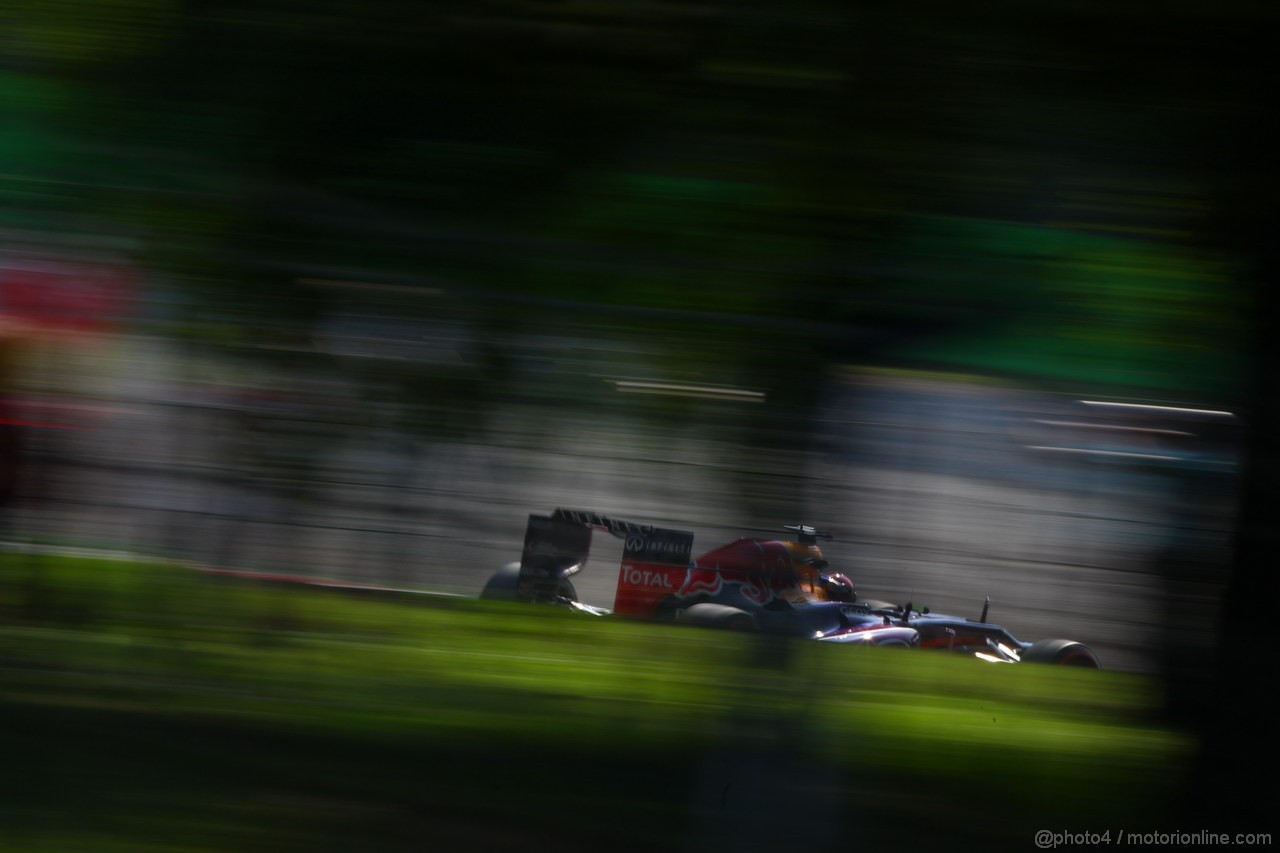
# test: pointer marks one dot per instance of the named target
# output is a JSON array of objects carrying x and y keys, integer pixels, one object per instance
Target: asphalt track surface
[{"x": 938, "y": 493}]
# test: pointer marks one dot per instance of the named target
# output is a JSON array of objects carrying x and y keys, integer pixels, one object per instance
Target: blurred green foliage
[
  {"x": 149, "y": 705},
  {"x": 1078, "y": 307},
  {"x": 1036, "y": 190}
]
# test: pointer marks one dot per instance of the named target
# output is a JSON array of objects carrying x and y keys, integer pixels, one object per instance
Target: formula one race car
[{"x": 783, "y": 587}]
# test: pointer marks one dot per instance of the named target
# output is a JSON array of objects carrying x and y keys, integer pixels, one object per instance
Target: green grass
[{"x": 148, "y": 706}]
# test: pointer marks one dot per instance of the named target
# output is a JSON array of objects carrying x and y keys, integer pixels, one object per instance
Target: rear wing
[
  {"x": 554, "y": 550},
  {"x": 654, "y": 559}
]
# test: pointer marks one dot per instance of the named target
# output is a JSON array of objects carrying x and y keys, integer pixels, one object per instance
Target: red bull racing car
[{"x": 779, "y": 586}]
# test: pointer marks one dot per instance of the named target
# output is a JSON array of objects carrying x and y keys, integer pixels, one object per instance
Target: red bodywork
[
  {"x": 776, "y": 586},
  {"x": 761, "y": 570}
]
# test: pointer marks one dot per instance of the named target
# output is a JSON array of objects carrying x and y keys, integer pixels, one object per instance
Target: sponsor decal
[
  {"x": 636, "y": 576},
  {"x": 657, "y": 545},
  {"x": 644, "y": 543},
  {"x": 643, "y": 586}
]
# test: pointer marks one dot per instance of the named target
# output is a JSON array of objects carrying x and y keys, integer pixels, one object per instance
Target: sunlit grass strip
[{"x": 160, "y": 640}]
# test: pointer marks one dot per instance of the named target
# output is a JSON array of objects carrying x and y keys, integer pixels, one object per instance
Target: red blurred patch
[{"x": 45, "y": 296}]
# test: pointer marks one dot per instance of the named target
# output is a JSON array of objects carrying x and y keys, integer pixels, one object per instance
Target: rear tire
[
  {"x": 1061, "y": 652},
  {"x": 504, "y": 585}
]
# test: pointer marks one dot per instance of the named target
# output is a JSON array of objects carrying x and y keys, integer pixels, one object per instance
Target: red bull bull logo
[{"x": 700, "y": 582}]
